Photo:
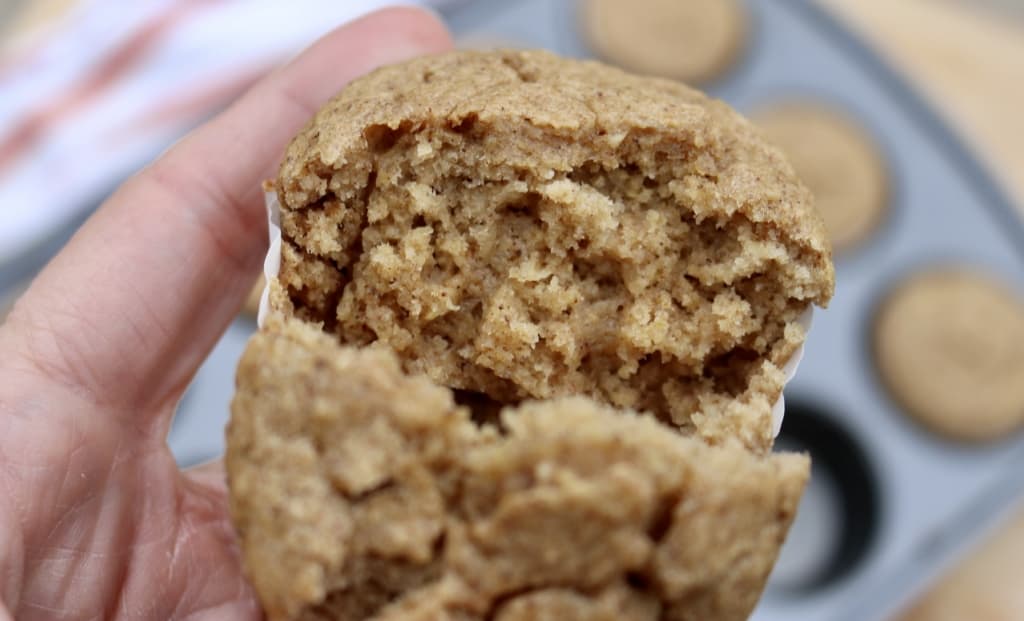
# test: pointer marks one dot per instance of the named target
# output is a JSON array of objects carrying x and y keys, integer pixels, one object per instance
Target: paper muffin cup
[
  {"x": 272, "y": 266},
  {"x": 272, "y": 262}
]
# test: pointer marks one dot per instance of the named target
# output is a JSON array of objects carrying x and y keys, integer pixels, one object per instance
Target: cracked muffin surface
[
  {"x": 526, "y": 227},
  {"x": 530, "y": 321},
  {"x": 361, "y": 492}
]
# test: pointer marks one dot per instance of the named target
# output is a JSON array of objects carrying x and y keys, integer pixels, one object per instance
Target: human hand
[{"x": 96, "y": 519}]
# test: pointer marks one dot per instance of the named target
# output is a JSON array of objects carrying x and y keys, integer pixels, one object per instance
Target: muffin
[
  {"x": 525, "y": 227},
  {"x": 839, "y": 162},
  {"x": 363, "y": 493},
  {"x": 948, "y": 344},
  {"x": 521, "y": 354},
  {"x": 689, "y": 40}
]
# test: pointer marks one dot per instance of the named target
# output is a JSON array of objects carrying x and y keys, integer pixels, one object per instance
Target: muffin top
[
  {"x": 585, "y": 108},
  {"x": 521, "y": 226}
]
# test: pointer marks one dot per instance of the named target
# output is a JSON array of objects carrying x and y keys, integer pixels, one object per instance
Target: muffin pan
[{"x": 890, "y": 503}]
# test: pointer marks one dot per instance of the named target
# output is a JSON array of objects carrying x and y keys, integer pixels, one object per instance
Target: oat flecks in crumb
[
  {"x": 361, "y": 492},
  {"x": 523, "y": 226}
]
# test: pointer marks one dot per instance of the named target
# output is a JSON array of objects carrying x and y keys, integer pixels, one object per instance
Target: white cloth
[{"x": 113, "y": 83}]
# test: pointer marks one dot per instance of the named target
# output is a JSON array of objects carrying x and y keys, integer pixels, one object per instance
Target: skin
[{"x": 96, "y": 519}]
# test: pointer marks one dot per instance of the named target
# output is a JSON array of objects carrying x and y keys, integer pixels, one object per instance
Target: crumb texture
[
  {"x": 527, "y": 227},
  {"x": 361, "y": 492}
]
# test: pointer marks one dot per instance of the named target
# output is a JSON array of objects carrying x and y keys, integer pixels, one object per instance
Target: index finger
[{"x": 128, "y": 310}]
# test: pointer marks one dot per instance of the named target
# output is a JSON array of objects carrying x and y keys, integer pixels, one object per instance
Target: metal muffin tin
[{"x": 890, "y": 504}]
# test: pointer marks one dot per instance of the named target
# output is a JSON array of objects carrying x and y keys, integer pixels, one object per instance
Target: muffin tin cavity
[{"x": 840, "y": 512}]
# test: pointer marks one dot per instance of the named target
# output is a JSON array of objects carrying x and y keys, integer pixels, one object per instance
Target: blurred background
[{"x": 877, "y": 104}]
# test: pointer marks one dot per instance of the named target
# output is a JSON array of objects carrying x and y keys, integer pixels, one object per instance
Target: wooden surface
[
  {"x": 987, "y": 586},
  {"x": 969, "y": 60}
]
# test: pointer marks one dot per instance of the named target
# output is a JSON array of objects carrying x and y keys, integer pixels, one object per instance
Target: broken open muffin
[
  {"x": 524, "y": 226},
  {"x": 364, "y": 493},
  {"x": 560, "y": 245}
]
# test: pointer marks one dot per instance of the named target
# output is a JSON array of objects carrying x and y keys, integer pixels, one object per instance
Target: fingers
[
  {"x": 132, "y": 305},
  {"x": 209, "y": 475}
]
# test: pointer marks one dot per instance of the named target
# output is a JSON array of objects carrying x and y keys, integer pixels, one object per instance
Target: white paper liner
[
  {"x": 272, "y": 265},
  {"x": 789, "y": 369}
]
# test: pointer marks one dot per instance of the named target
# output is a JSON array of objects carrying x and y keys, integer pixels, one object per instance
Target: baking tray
[{"x": 889, "y": 504}]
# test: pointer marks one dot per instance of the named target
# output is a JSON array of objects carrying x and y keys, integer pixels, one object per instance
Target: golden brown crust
[
  {"x": 525, "y": 226},
  {"x": 588, "y": 105},
  {"x": 362, "y": 493},
  {"x": 495, "y": 228}
]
